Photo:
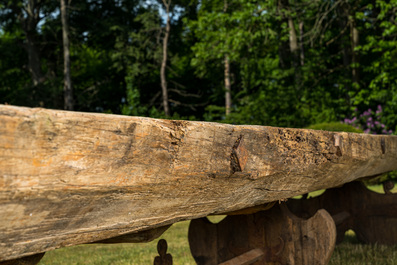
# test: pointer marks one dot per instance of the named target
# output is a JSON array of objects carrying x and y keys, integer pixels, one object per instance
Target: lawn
[
  {"x": 348, "y": 252},
  {"x": 123, "y": 254}
]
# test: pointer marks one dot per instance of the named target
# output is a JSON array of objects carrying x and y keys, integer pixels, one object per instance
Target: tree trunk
[
  {"x": 29, "y": 25},
  {"x": 283, "y": 49},
  {"x": 355, "y": 58},
  {"x": 34, "y": 64},
  {"x": 293, "y": 41},
  {"x": 228, "y": 96},
  {"x": 67, "y": 88},
  {"x": 164, "y": 62},
  {"x": 344, "y": 41},
  {"x": 302, "y": 50}
]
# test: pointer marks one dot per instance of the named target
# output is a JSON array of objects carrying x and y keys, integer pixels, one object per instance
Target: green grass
[
  {"x": 348, "y": 252},
  {"x": 124, "y": 254},
  {"x": 379, "y": 188},
  {"x": 351, "y": 252}
]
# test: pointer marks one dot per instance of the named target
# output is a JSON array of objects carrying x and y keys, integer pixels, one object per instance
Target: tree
[
  {"x": 27, "y": 15},
  {"x": 164, "y": 89},
  {"x": 228, "y": 87},
  {"x": 68, "y": 91},
  {"x": 98, "y": 68},
  {"x": 144, "y": 51},
  {"x": 282, "y": 63},
  {"x": 224, "y": 31}
]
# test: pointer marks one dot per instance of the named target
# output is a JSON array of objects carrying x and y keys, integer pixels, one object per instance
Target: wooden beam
[
  {"x": 68, "y": 178},
  {"x": 246, "y": 259}
]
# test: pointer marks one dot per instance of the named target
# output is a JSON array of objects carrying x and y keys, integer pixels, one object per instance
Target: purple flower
[
  {"x": 377, "y": 122},
  {"x": 379, "y": 108},
  {"x": 382, "y": 125},
  {"x": 370, "y": 118},
  {"x": 367, "y": 131},
  {"x": 354, "y": 119},
  {"x": 390, "y": 131}
]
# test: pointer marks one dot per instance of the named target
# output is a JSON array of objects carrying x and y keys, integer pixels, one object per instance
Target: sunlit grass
[
  {"x": 348, "y": 252},
  {"x": 379, "y": 188},
  {"x": 125, "y": 254}
]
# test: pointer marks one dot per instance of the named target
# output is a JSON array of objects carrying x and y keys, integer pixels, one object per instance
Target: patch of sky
[{"x": 175, "y": 13}]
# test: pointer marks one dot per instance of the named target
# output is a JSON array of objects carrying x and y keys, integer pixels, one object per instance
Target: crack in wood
[
  {"x": 383, "y": 145},
  {"x": 272, "y": 190},
  {"x": 234, "y": 160}
]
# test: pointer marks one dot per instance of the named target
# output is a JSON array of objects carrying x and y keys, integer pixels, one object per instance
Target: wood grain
[
  {"x": 68, "y": 178},
  {"x": 371, "y": 215},
  {"x": 278, "y": 236}
]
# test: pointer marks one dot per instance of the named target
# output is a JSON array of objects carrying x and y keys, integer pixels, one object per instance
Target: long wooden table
[{"x": 69, "y": 178}]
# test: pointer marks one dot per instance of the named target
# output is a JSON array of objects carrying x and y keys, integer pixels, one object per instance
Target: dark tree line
[{"x": 281, "y": 62}]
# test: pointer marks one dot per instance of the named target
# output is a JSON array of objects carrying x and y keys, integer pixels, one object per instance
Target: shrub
[
  {"x": 335, "y": 127},
  {"x": 369, "y": 121}
]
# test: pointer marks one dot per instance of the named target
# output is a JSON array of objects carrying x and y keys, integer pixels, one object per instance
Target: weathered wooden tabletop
[{"x": 68, "y": 178}]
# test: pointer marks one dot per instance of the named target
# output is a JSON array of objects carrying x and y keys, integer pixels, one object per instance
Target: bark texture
[
  {"x": 67, "y": 83},
  {"x": 29, "y": 24},
  {"x": 164, "y": 88},
  {"x": 228, "y": 87}
]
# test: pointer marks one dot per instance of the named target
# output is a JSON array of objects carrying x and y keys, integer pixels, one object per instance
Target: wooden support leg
[
  {"x": 275, "y": 236},
  {"x": 371, "y": 215},
  {"x": 163, "y": 258},
  {"x": 29, "y": 260}
]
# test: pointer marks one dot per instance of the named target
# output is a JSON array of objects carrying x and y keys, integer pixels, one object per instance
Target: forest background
[{"x": 289, "y": 63}]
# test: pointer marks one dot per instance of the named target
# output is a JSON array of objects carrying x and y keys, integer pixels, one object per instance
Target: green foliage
[
  {"x": 116, "y": 51},
  {"x": 12, "y": 76},
  {"x": 335, "y": 127},
  {"x": 369, "y": 121},
  {"x": 382, "y": 68}
]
